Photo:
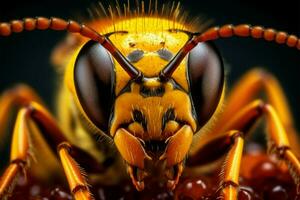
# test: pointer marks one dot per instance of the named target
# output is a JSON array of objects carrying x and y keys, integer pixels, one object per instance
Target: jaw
[
  {"x": 133, "y": 152},
  {"x": 169, "y": 175}
]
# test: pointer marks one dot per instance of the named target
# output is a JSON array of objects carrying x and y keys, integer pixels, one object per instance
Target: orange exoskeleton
[{"x": 149, "y": 86}]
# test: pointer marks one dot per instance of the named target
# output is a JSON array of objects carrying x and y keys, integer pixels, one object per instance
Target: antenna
[
  {"x": 57, "y": 24},
  {"x": 227, "y": 31}
]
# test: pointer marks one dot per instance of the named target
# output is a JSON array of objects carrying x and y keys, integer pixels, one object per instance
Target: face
[
  {"x": 152, "y": 121},
  {"x": 149, "y": 121}
]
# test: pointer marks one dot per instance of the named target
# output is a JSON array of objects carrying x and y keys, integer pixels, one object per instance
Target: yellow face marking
[
  {"x": 148, "y": 34},
  {"x": 153, "y": 109}
]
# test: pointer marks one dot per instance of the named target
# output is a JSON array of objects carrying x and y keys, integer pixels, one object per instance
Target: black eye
[
  {"x": 206, "y": 77},
  {"x": 94, "y": 80}
]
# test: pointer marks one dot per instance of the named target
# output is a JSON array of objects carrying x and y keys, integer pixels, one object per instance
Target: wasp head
[{"x": 153, "y": 121}]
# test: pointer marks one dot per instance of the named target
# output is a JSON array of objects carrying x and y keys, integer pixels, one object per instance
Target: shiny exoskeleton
[{"x": 153, "y": 90}]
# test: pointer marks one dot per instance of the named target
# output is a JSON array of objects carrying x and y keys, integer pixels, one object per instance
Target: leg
[
  {"x": 212, "y": 145},
  {"x": 20, "y": 152},
  {"x": 278, "y": 141},
  {"x": 18, "y": 96},
  {"x": 75, "y": 175},
  {"x": 247, "y": 89},
  {"x": 231, "y": 169},
  {"x": 276, "y": 134}
]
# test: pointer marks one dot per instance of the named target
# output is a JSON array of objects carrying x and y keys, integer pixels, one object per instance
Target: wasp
[{"x": 153, "y": 90}]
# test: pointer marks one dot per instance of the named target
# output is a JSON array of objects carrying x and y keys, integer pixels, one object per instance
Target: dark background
[{"x": 25, "y": 57}]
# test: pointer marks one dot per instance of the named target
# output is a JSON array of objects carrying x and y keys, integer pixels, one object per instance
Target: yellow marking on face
[
  {"x": 148, "y": 34},
  {"x": 153, "y": 109},
  {"x": 136, "y": 129},
  {"x": 144, "y": 33},
  {"x": 152, "y": 83},
  {"x": 171, "y": 127}
]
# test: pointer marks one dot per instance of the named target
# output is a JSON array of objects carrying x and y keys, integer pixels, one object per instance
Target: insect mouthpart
[
  {"x": 155, "y": 146},
  {"x": 154, "y": 172},
  {"x": 153, "y": 131},
  {"x": 154, "y": 159},
  {"x": 156, "y": 169}
]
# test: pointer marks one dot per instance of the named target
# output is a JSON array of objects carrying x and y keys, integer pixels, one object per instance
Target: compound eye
[
  {"x": 94, "y": 80},
  {"x": 206, "y": 78}
]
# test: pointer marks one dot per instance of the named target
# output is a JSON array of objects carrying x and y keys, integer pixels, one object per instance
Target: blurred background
[{"x": 25, "y": 57}]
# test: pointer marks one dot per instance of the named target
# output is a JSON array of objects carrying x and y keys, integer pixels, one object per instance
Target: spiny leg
[
  {"x": 231, "y": 169},
  {"x": 278, "y": 141},
  {"x": 20, "y": 149},
  {"x": 14, "y": 99},
  {"x": 233, "y": 143},
  {"x": 18, "y": 96},
  {"x": 247, "y": 89},
  {"x": 213, "y": 145},
  {"x": 243, "y": 121},
  {"x": 20, "y": 152},
  {"x": 75, "y": 175}
]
